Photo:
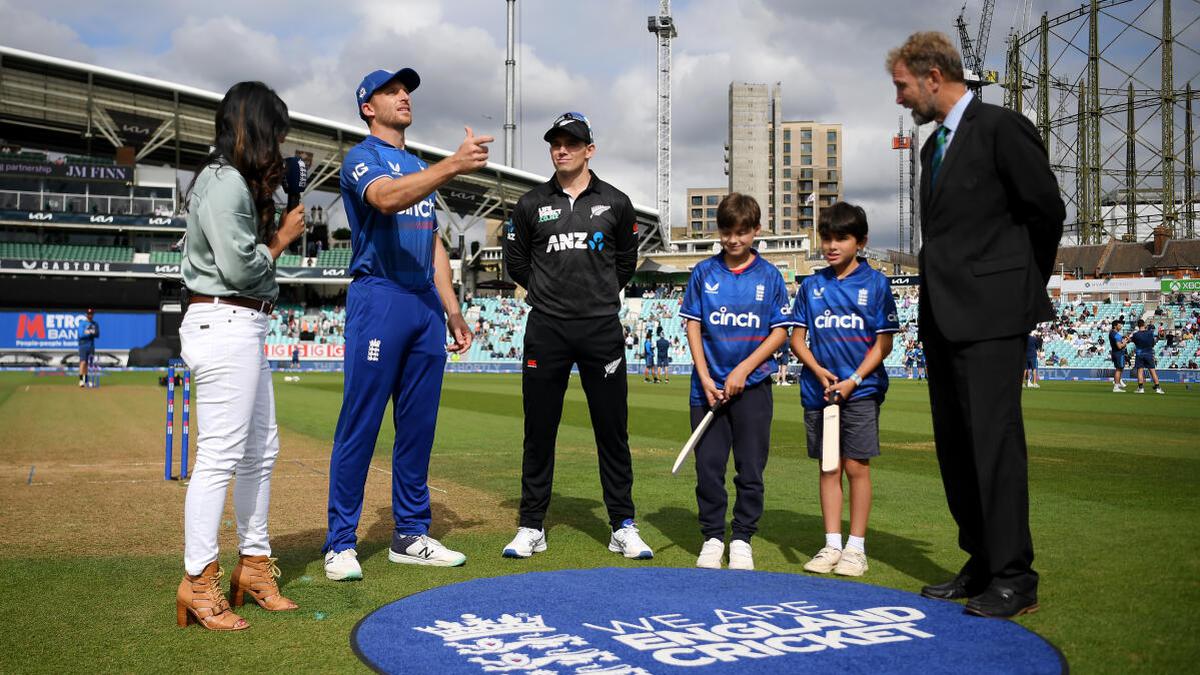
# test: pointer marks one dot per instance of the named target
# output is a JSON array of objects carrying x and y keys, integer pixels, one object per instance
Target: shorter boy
[
  {"x": 848, "y": 314},
  {"x": 737, "y": 312},
  {"x": 1143, "y": 357},
  {"x": 663, "y": 357},
  {"x": 1116, "y": 345},
  {"x": 648, "y": 352}
]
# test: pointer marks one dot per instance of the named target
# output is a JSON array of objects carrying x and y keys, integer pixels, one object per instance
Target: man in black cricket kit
[{"x": 572, "y": 244}]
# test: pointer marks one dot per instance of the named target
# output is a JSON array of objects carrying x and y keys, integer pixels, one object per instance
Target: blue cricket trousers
[{"x": 395, "y": 350}]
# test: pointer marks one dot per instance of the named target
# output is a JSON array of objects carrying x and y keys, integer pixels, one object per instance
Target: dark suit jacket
[{"x": 990, "y": 227}]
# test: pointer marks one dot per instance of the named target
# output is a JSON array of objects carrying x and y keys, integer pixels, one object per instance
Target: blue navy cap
[
  {"x": 573, "y": 123},
  {"x": 373, "y": 81}
]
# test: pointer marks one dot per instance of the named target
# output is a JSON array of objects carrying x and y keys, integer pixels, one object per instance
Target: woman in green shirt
[{"x": 229, "y": 268}]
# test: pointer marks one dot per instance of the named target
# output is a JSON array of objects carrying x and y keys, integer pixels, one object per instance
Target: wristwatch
[{"x": 854, "y": 377}]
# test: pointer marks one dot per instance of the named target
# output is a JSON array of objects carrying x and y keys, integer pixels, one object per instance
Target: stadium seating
[
  {"x": 334, "y": 257},
  {"x": 66, "y": 252}
]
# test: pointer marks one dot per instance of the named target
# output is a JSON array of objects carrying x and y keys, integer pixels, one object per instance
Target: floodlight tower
[{"x": 663, "y": 26}]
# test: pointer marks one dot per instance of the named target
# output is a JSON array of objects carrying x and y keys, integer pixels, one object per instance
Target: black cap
[{"x": 573, "y": 123}]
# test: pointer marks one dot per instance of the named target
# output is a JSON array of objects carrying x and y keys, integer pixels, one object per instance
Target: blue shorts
[
  {"x": 86, "y": 352},
  {"x": 663, "y": 360},
  {"x": 1118, "y": 360},
  {"x": 649, "y": 360},
  {"x": 1031, "y": 363},
  {"x": 1144, "y": 361},
  {"x": 860, "y": 429}
]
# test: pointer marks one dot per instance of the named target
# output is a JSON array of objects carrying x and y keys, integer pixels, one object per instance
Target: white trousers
[{"x": 236, "y": 434}]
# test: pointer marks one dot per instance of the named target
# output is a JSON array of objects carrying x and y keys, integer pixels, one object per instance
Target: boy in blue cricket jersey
[
  {"x": 398, "y": 310},
  {"x": 1143, "y": 340},
  {"x": 737, "y": 312},
  {"x": 848, "y": 315},
  {"x": 648, "y": 351},
  {"x": 89, "y": 330}
]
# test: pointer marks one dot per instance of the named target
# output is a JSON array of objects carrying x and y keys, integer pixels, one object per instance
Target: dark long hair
[{"x": 250, "y": 121}]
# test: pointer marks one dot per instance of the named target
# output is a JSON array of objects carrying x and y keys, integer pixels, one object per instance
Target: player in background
[
  {"x": 1033, "y": 345},
  {"x": 398, "y": 309},
  {"x": 663, "y": 358},
  {"x": 845, "y": 318},
  {"x": 737, "y": 312},
  {"x": 1143, "y": 359},
  {"x": 648, "y": 355},
  {"x": 89, "y": 331},
  {"x": 1116, "y": 345}
]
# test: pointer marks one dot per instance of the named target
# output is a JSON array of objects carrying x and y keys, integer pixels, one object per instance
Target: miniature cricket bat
[
  {"x": 831, "y": 436},
  {"x": 697, "y": 434}
]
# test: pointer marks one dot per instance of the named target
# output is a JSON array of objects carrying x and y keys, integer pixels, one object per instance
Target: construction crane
[{"x": 975, "y": 51}]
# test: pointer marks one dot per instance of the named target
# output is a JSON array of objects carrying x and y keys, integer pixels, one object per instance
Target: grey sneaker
[
  {"x": 852, "y": 564},
  {"x": 425, "y": 550},
  {"x": 711, "y": 554},
  {"x": 628, "y": 542},
  {"x": 824, "y": 561}
]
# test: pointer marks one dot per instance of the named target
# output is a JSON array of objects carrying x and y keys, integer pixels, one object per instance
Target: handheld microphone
[{"x": 295, "y": 179}]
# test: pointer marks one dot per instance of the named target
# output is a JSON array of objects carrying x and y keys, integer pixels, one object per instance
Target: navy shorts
[
  {"x": 663, "y": 360},
  {"x": 1031, "y": 364},
  {"x": 1118, "y": 360},
  {"x": 649, "y": 360},
  {"x": 86, "y": 353},
  {"x": 1144, "y": 361},
  {"x": 860, "y": 429}
]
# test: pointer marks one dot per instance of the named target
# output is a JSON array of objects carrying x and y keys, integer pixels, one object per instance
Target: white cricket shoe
[
  {"x": 1035, "y": 385},
  {"x": 425, "y": 550},
  {"x": 1118, "y": 390},
  {"x": 343, "y": 566},
  {"x": 1140, "y": 391},
  {"x": 1158, "y": 390},
  {"x": 710, "y": 554},
  {"x": 1121, "y": 384},
  {"x": 824, "y": 561},
  {"x": 741, "y": 556},
  {"x": 527, "y": 542},
  {"x": 852, "y": 564},
  {"x": 628, "y": 542}
]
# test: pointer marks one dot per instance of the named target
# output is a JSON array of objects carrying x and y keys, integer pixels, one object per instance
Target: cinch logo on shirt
[
  {"x": 831, "y": 320},
  {"x": 722, "y": 317},
  {"x": 422, "y": 209},
  {"x": 548, "y": 213},
  {"x": 574, "y": 240}
]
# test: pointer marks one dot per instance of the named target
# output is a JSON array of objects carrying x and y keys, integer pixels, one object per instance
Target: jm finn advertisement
[{"x": 60, "y": 329}]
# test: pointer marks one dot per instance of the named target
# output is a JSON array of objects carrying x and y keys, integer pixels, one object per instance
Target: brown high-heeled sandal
[
  {"x": 200, "y": 600},
  {"x": 255, "y": 575}
]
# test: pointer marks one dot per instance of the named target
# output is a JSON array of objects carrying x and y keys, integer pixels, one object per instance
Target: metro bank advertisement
[{"x": 60, "y": 329}]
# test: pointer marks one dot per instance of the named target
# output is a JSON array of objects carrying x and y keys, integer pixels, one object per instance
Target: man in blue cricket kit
[
  {"x": 89, "y": 330},
  {"x": 398, "y": 308}
]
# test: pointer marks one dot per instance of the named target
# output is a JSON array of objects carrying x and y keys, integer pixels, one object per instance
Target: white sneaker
[
  {"x": 425, "y": 550},
  {"x": 852, "y": 564},
  {"x": 1118, "y": 390},
  {"x": 1140, "y": 391},
  {"x": 1121, "y": 384},
  {"x": 824, "y": 561},
  {"x": 81, "y": 383},
  {"x": 741, "y": 556},
  {"x": 1158, "y": 390},
  {"x": 710, "y": 554},
  {"x": 343, "y": 566},
  {"x": 1035, "y": 385},
  {"x": 527, "y": 542},
  {"x": 628, "y": 542}
]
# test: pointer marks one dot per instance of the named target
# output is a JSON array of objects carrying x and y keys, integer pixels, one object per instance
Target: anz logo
[
  {"x": 575, "y": 240},
  {"x": 723, "y": 317},
  {"x": 831, "y": 320}
]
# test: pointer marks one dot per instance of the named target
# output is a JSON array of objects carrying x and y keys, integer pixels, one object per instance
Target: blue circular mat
[{"x": 666, "y": 620}]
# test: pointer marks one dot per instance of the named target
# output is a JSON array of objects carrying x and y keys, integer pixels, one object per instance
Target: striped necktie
[{"x": 939, "y": 152}]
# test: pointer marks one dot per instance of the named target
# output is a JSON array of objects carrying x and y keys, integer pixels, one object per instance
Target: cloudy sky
[{"x": 595, "y": 57}]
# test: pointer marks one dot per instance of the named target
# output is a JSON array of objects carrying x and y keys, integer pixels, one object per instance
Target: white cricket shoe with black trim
[
  {"x": 824, "y": 561},
  {"x": 710, "y": 554},
  {"x": 425, "y": 550},
  {"x": 343, "y": 566},
  {"x": 527, "y": 542},
  {"x": 628, "y": 542}
]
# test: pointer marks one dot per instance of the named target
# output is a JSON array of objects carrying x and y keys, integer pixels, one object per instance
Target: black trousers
[
  {"x": 744, "y": 425},
  {"x": 597, "y": 346},
  {"x": 975, "y": 398}
]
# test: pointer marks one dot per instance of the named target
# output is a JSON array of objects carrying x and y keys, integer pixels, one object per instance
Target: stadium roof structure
[{"x": 80, "y": 108}]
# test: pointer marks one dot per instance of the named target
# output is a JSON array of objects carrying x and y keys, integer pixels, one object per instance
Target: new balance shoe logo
[{"x": 373, "y": 350}]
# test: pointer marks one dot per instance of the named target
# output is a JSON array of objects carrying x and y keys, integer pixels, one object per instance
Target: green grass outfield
[{"x": 1113, "y": 480}]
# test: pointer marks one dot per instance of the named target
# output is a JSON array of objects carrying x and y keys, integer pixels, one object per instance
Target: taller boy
[
  {"x": 397, "y": 312},
  {"x": 991, "y": 218},
  {"x": 573, "y": 246}
]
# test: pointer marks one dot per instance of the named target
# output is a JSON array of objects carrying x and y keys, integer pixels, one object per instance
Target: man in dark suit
[{"x": 991, "y": 218}]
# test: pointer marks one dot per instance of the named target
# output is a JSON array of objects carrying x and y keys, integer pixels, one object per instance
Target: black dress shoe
[
  {"x": 961, "y": 586},
  {"x": 1002, "y": 602}
]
